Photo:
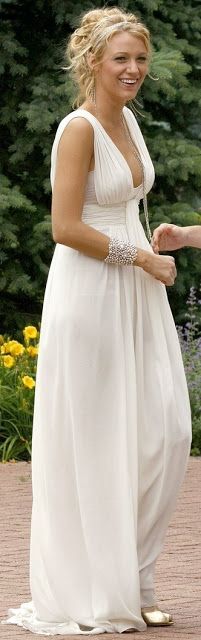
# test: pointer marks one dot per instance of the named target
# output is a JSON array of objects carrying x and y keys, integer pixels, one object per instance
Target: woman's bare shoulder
[
  {"x": 79, "y": 127},
  {"x": 77, "y": 137}
]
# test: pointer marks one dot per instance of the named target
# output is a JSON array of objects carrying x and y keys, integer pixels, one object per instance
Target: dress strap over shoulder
[{"x": 79, "y": 113}]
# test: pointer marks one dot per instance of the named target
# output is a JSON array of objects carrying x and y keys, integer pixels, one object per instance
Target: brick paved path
[{"x": 178, "y": 580}]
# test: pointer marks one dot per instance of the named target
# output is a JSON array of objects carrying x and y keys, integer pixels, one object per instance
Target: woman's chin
[{"x": 129, "y": 95}]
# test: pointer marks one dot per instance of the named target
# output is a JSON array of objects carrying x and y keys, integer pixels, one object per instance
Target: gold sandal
[{"x": 155, "y": 617}]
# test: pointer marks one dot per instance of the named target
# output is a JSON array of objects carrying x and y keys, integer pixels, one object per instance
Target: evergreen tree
[{"x": 37, "y": 94}]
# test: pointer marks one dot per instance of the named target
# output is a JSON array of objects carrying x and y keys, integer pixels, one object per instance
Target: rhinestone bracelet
[{"x": 121, "y": 252}]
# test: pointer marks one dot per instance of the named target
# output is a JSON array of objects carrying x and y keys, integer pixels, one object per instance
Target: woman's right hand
[{"x": 160, "y": 267}]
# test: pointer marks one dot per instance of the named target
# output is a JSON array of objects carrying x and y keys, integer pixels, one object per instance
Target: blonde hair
[{"x": 95, "y": 30}]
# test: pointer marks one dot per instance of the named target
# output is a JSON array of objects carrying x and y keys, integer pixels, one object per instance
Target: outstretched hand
[{"x": 167, "y": 237}]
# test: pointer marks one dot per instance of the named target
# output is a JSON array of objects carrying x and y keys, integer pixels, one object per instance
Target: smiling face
[{"x": 123, "y": 67}]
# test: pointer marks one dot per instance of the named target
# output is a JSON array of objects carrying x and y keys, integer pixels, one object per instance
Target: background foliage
[{"x": 36, "y": 94}]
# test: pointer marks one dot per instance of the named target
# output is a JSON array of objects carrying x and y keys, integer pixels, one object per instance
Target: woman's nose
[{"x": 132, "y": 66}]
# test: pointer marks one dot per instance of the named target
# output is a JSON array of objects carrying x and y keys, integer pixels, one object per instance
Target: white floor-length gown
[{"x": 112, "y": 429}]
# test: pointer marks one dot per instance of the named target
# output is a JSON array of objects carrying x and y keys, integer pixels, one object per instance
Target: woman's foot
[{"x": 154, "y": 617}]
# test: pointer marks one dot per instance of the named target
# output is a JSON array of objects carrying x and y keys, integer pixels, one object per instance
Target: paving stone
[{"x": 178, "y": 574}]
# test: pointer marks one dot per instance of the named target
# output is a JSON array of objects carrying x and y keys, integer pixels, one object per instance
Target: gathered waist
[{"x": 106, "y": 214}]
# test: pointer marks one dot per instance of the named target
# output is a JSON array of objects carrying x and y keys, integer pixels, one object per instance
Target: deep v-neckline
[{"x": 117, "y": 148}]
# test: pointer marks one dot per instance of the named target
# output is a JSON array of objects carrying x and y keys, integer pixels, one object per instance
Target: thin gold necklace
[{"x": 138, "y": 157}]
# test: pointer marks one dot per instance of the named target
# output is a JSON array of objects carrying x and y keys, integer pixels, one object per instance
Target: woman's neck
[{"x": 108, "y": 113}]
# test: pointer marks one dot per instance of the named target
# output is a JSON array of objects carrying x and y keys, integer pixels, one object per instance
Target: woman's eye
[{"x": 123, "y": 59}]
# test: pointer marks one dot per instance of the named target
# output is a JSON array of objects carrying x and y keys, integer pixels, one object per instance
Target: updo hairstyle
[{"x": 95, "y": 30}]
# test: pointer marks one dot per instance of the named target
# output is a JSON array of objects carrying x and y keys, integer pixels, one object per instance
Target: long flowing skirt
[{"x": 111, "y": 439}]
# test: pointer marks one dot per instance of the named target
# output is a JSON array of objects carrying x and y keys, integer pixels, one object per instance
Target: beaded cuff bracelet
[{"x": 121, "y": 252}]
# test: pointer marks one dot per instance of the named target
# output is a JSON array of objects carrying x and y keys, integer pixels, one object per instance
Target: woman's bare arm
[
  {"x": 73, "y": 160},
  {"x": 74, "y": 156}
]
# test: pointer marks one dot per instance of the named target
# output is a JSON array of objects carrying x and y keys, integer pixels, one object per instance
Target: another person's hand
[{"x": 168, "y": 237}]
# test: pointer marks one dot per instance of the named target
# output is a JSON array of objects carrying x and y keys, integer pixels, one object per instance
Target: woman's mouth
[{"x": 128, "y": 82}]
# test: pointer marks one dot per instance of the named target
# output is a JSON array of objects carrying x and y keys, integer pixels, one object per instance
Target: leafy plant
[
  {"x": 190, "y": 341},
  {"x": 17, "y": 382}
]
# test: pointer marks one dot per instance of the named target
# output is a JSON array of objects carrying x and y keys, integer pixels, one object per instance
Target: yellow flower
[
  {"x": 32, "y": 351},
  {"x": 5, "y": 348},
  {"x": 1, "y": 339},
  {"x": 30, "y": 332},
  {"x": 13, "y": 347},
  {"x": 8, "y": 361},
  {"x": 28, "y": 381},
  {"x": 16, "y": 348}
]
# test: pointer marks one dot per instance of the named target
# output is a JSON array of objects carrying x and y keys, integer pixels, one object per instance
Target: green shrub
[
  {"x": 190, "y": 341},
  {"x": 17, "y": 382}
]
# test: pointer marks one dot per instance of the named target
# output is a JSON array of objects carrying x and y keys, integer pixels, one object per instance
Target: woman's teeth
[{"x": 128, "y": 81}]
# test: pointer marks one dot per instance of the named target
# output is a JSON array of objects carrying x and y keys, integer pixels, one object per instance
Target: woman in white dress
[{"x": 112, "y": 433}]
